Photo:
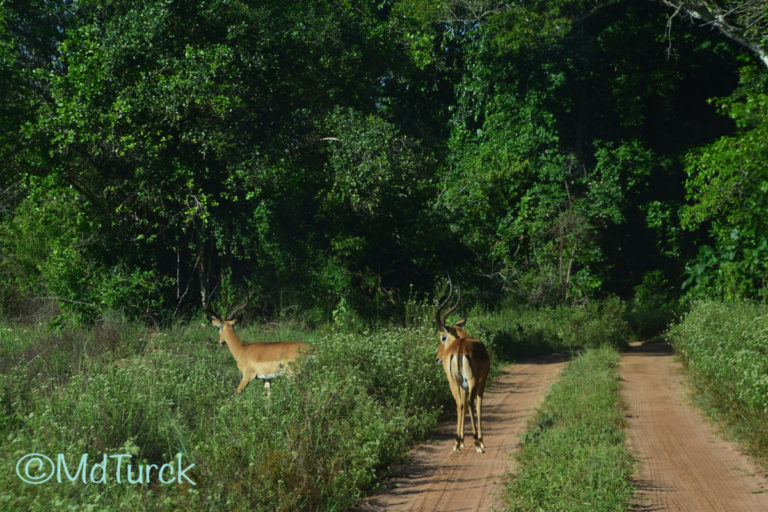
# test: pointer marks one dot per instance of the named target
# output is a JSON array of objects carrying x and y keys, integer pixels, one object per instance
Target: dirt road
[
  {"x": 683, "y": 465},
  {"x": 439, "y": 479}
]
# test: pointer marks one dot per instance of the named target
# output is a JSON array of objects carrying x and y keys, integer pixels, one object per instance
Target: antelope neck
[{"x": 233, "y": 342}]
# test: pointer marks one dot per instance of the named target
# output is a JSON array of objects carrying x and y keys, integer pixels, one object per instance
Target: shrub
[
  {"x": 724, "y": 348},
  {"x": 518, "y": 331}
]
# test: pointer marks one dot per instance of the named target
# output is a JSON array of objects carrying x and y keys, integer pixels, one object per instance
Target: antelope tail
[
  {"x": 466, "y": 371},
  {"x": 463, "y": 369}
]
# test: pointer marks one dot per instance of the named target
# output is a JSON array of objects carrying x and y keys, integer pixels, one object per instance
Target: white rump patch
[{"x": 464, "y": 366}]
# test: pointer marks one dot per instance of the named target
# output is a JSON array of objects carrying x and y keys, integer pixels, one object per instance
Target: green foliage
[
  {"x": 727, "y": 185},
  {"x": 574, "y": 455},
  {"x": 186, "y": 136},
  {"x": 305, "y": 153},
  {"x": 652, "y": 310},
  {"x": 557, "y": 162},
  {"x": 316, "y": 443},
  {"x": 378, "y": 184},
  {"x": 46, "y": 253},
  {"x": 724, "y": 348},
  {"x": 518, "y": 331}
]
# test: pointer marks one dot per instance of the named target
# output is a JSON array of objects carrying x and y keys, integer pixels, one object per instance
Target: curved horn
[
  {"x": 453, "y": 308},
  {"x": 239, "y": 308},
  {"x": 441, "y": 318}
]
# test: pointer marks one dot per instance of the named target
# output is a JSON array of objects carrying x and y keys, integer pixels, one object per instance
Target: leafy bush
[
  {"x": 727, "y": 184},
  {"x": 653, "y": 308},
  {"x": 518, "y": 331},
  {"x": 724, "y": 347},
  {"x": 46, "y": 253}
]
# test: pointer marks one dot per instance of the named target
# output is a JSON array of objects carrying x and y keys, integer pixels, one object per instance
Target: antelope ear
[
  {"x": 461, "y": 323},
  {"x": 216, "y": 321},
  {"x": 232, "y": 322}
]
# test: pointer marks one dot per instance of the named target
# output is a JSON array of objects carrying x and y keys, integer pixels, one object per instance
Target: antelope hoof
[{"x": 459, "y": 445}]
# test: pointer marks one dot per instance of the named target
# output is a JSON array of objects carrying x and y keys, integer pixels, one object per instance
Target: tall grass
[
  {"x": 724, "y": 349},
  {"x": 319, "y": 442},
  {"x": 573, "y": 457}
]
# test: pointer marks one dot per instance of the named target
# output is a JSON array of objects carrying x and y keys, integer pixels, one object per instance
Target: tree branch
[{"x": 749, "y": 29}]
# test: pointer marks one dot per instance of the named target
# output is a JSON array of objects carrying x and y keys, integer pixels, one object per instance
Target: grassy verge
[
  {"x": 573, "y": 457},
  {"x": 316, "y": 443},
  {"x": 724, "y": 349}
]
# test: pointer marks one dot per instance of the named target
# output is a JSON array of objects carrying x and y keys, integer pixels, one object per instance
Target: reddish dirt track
[
  {"x": 439, "y": 479},
  {"x": 682, "y": 464}
]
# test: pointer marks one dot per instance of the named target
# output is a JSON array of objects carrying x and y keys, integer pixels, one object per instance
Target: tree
[
  {"x": 743, "y": 21},
  {"x": 727, "y": 189},
  {"x": 192, "y": 136},
  {"x": 564, "y": 177}
]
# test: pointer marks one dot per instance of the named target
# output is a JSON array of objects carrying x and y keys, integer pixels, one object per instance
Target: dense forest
[{"x": 162, "y": 157}]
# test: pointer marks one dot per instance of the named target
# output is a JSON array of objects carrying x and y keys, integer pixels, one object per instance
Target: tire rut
[{"x": 682, "y": 464}]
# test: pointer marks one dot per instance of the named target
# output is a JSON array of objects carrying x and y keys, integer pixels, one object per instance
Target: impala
[
  {"x": 466, "y": 364},
  {"x": 261, "y": 360}
]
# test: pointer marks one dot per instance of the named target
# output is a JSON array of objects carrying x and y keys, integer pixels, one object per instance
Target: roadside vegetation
[
  {"x": 319, "y": 442},
  {"x": 316, "y": 443},
  {"x": 724, "y": 349},
  {"x": 573, "y": 457}
]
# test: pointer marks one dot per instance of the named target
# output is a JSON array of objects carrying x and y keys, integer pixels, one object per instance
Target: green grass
[
  {"x": 317, "y": 443},
  {"x": 573, "y": 457},
  {"x": 320, "y": 442},
  {"x": 724, "y": 349}
]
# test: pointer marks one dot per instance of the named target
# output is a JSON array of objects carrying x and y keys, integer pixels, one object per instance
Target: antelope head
[
  {"x": 226, "y": 326},
  {"x": 449, "y": 333}
]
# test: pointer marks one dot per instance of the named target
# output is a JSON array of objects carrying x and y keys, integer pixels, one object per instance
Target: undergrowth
[
  {"x": 320, "y": 441},
  {"x": 317, "y": 443},
  {"x": 724, "y": 349},
  {"x": 519, "y": 331}
]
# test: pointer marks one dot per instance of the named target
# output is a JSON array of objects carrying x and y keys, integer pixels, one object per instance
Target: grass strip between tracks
[{"x": 574, "y": 455}]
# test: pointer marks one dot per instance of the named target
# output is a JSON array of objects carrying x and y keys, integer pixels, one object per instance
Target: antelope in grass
[
  {"x": 466, "y": 364},
  {"x": 262, "y": 360}
]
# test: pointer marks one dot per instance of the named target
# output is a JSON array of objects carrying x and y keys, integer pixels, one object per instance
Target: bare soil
[
  {"x": 683, "y": 465},
  {"x": 438, "y": 479}
]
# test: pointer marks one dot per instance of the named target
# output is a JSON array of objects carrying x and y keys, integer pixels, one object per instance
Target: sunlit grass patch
[{"x": 573, "y": 457}]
